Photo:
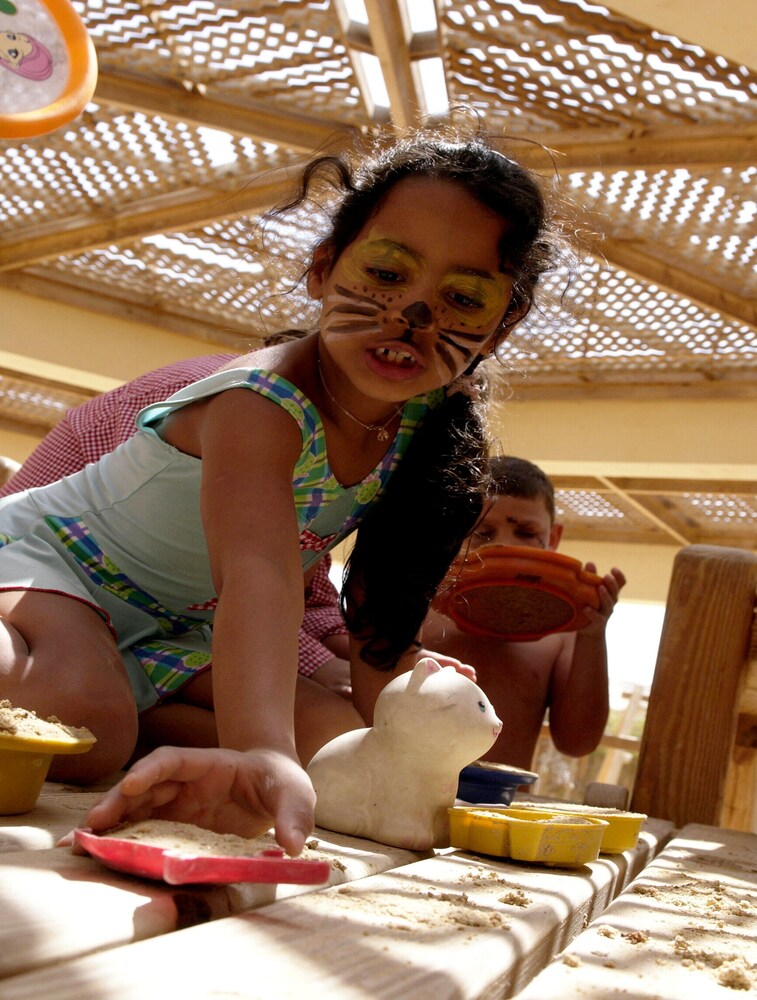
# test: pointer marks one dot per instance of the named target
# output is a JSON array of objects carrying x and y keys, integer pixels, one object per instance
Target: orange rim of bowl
[{"x": 568, "y": 581}]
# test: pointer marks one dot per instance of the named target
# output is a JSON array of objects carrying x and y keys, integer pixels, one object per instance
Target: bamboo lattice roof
[{"x": 145, "y": 207}]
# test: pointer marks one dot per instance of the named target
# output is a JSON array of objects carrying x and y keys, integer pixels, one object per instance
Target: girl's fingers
[
  {"x": 218, "y": 789},
  {"x": 450, "y": 661},
  {"x": 176, "y": 764},
  {"x": 293, "y": 814}
]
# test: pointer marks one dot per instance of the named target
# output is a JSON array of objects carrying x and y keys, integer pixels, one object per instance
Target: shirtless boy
[{"x": 565, "y": 672}]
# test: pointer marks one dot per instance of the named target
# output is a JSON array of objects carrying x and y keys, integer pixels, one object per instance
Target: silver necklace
[{"x": 381, "y": 429}]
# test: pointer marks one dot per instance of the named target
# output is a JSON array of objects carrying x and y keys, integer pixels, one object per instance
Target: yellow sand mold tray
[
  {"x": 623, "y": 828},
  {"x": 545, "y": 839}
]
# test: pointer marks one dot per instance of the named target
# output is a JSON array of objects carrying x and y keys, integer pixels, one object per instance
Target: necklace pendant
[{"x": 383, "y": 434}]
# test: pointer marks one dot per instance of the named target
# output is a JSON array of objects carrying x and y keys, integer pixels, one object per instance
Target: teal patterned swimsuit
[{"x": 125, "y": 534}]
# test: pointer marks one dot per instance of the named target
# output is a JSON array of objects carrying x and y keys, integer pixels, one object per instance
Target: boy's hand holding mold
[{"x": 609, "y": 591}]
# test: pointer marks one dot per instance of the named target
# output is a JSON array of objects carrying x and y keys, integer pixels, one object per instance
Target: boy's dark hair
[
  {"x": 517, "y": 477},
  {"x": 407, "y": 541}
]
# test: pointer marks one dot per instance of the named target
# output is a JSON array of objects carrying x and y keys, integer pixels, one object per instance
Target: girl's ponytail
[{"x": 408, "y": 540}]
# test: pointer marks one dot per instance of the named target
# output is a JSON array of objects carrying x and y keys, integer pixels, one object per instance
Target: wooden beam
[
  {"x": 46, "y": 374},
  {"x": 389, "y": 36},
  {"x": 645, "y": 485},
  {"x": 193, "y": 207},
  {"x": 738, "y": 384},
  {"x": 702, "y": 472},
  {"x": 694, "y": 146},
  {"x": 702, "y": 663},
  {"x": 637, "y": 504},
  {"x": 267, "y": 123},
  {"x": 633, "y": 257}
]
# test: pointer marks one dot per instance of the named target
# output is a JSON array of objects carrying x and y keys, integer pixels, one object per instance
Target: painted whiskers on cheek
[
  {"x": 452, "y": 339},
  {"x": 364, "y": 309},
  {"x": 351, "y": 311}
]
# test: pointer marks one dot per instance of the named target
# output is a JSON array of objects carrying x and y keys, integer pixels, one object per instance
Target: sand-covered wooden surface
[
  {"x": 686, "y": 927},
  {"x": 389, "y": 924}
]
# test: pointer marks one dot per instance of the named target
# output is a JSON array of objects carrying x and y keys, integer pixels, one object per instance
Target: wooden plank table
[
  {"x": 687, "y": 927},
  {"x": 391, "y": 923},
  {"x": 57, "y": 904}
]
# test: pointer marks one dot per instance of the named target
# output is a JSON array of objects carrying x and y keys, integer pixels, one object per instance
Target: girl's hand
[
  {"x": 223, "y": 790},
  {"x": 449, "y": 661},
  {"x": 608, "y": 591}
]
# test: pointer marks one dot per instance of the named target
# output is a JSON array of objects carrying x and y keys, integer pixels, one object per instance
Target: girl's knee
[
  {"x": 58, "y": 658},
  {"x": 113, "y": 721},
  {"x": 321, "y": 716}
]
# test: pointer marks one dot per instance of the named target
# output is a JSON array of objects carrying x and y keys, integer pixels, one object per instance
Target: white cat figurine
[{"x": 394, "y": 782}]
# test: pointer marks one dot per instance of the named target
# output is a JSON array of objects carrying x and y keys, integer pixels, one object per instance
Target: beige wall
[
  {"x": 727, "y": 28},
  {"x": 104, "y": 345},
  {"x": 91, "y": 350},
  {"x": 703, "y": 436}
]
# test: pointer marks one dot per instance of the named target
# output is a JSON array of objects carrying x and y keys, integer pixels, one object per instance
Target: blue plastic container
[{"x": 492, "y": 784}]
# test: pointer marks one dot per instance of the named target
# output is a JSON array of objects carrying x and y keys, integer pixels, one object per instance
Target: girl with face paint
[{"x": 235, "y": 486}]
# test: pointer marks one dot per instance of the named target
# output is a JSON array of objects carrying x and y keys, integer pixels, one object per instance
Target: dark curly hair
[{"x": 408, "y": 539}]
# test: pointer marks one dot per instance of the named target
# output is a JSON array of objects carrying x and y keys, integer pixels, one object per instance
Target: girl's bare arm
[{"x": 248, "y": 446}]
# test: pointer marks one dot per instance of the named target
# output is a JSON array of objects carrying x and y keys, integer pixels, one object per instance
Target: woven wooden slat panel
[
  {"x": 537, "y": 72},
  {"x": 563, "y": 64},
  {"x": 110, "y": 159},
  {"x": 232, "y": 272},
  {"x": 287, "y": 51},
  {"x": 610, "y": 326},
  {"x": 708, "y": 517},
  {"x": 594, "y": 515},
  {"x": 702, "y": 516},
  {"x": 531, "y": 69},
  {"x": 707, "y": 220},
  {"x": 37, "y": 405}
]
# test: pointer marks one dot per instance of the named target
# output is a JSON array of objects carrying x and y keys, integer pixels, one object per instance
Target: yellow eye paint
[
  {"x": 476, "y": 297},
  {"x": 365, "y": 257}
]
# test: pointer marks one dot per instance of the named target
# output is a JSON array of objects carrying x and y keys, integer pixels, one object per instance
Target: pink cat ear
[
  {"x": 422, "y": 669},
  {"x": 430, "y": 665}
]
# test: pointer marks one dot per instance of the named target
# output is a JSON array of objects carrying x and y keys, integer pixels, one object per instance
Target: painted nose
[{"x": 416, "y": 315}]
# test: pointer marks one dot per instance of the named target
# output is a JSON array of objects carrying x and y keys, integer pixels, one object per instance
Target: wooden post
[{"x": 691, "y": 724}]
